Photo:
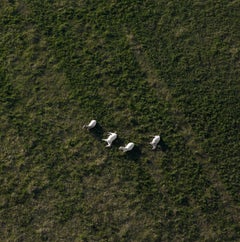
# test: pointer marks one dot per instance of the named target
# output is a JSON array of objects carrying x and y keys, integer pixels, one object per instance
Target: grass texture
[{"x": 140, "y": 68}]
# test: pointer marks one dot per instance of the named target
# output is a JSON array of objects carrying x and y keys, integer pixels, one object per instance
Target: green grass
[{"x": 138, "y": 68}]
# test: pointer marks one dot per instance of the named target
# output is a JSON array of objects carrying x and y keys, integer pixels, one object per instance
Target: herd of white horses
[{"x": 112, "y": 136}]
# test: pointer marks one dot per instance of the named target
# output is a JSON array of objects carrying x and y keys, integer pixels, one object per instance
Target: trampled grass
[{"x": 140, "y": 69}]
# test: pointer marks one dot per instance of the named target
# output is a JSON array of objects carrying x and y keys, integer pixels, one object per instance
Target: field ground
[{"x": 140, "y": 68}]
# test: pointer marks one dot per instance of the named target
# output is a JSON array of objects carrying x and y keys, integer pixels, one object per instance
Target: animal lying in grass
[
  {"x": 110, "y": 139},
  {"x": 155, "y": 141},
  {"x": 127, "y": 147},
  {"x": 91, "y": 125}
]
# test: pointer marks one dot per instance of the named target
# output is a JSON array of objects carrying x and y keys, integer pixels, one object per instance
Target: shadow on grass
[
  {"x": 118, "y": 142},
  {"x": 134, "y": 154},
  {"x": 163, "y": 145},
  {"x": 97, "y": 131}
]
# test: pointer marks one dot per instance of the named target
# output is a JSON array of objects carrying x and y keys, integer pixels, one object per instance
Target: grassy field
[{"x": 140, "y": 68}]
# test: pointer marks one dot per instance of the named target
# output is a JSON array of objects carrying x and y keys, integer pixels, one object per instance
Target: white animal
[
  {"x": 127, "y": 147},
  {"x": 91, "y": 125},
  {"x": 155, "y": 141},
  {"x": 110, "y": 139}
]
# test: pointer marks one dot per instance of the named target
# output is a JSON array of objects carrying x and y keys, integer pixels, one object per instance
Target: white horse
[
  {"x": 110, "y": 138},
  {"x": 91, "y": 125},
  {"x": 127, "y": 147},
  {"x": 155, "y": 141}
]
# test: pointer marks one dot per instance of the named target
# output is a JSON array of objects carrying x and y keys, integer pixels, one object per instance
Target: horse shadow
[
  {"x": 134, "y": 154},
  {"x": 164, "y": 147},
  {"x": 118, "y": 142},
  {"x": 97, "y": 131}
]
